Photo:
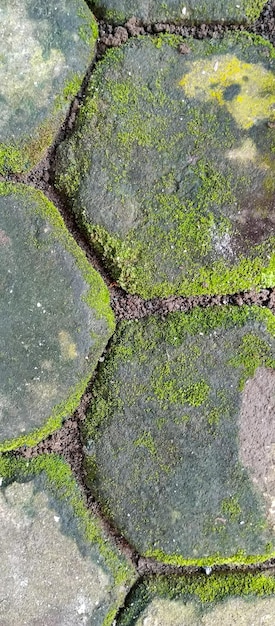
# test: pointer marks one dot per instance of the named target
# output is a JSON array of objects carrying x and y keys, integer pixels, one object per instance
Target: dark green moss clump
[
  {"x": 162, "y": 163},
  {"x": 162, "y": 448}
]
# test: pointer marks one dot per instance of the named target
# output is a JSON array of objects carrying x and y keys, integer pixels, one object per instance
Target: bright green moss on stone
[
  {"x": 191, "y": 11},
  {"x": 162, "y": 448},
  {"x": 59, "y": 307},
  {"x": 161, "y": 166},
  {"x": 53, "y": 476},
  {"x": 42, "y": 68},
  {"x": 195, "y": 599}
]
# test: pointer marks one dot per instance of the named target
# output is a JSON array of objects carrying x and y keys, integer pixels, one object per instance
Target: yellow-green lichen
[{"x": 247, "y": 90}]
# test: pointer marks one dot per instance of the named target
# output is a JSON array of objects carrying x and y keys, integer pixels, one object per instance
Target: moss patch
[{"x": 161, "y": 165}]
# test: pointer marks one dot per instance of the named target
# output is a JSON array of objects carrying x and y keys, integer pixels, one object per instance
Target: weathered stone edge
[{"x": 251, "y": 11}]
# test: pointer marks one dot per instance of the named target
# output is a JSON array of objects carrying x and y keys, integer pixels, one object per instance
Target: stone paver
[
  {"x": 55, "y": 317},
  {"x": 171, "y": 166},
  {"x": 45, "y": 49},
  {"x": 179, "y": 11},
  {"x": 57, "y": 567},
  {"x": 176, "y": 407}
]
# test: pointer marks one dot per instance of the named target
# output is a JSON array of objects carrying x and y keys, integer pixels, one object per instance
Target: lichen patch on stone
[{"x": 246, "y": 90}]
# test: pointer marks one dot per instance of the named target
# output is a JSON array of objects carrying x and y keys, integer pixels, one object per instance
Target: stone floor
[{"x": 137, "y": 313}]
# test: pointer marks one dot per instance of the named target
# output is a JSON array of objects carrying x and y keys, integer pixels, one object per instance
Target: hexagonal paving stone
[
  {"x": 225, "y": 599},
  {"x": 171, "y": 166},
  {"x": 118, "y": 11},
  {"x": 55, "y": 317},
  {"x": 179, "y": 440},
  {"x": 45, "y": 49},
  {"x": 57, "y": 566}
]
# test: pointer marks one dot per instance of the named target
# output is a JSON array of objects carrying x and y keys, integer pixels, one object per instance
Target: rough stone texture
[
  {"x": 236, "y": 611},
  {"x": 50, "y": 573},
  {"x": 257, "y": 435},
  {"x": 118, "y": 11},
  {"x": 55, "y": 317},
  {"x": 163, "y": 454},
  {"x": 171, "y": 167},
  {"x": 45, "y": 48}
]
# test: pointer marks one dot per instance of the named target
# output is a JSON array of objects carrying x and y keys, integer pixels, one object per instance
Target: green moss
[
  {"x": 214, "y": 588},
  {"x": 253, "y": 353},
  {"x": 240, "y": 558},
  {"x": 59, "y": 414},
  {"x": 253, "y": 9},
  {"x": 169, "y": 390},
  {"x": 61, "y": 483},
  {"x": 11, "y": 159},
  {"x": 26, "y": 152},
  {"x": 71, "y": 88},
  {"x": 231, "y": 507},
  {"x": 170, "y": 40},
  {"x": 88, "y": 30},
  {"x": 205, "y": 591},
  {"x": 146, "y": 440},
  {"x": 97, "y": 296},
  {"x": 157, "y": 389},
  {"x": 115, "y": 17}
]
